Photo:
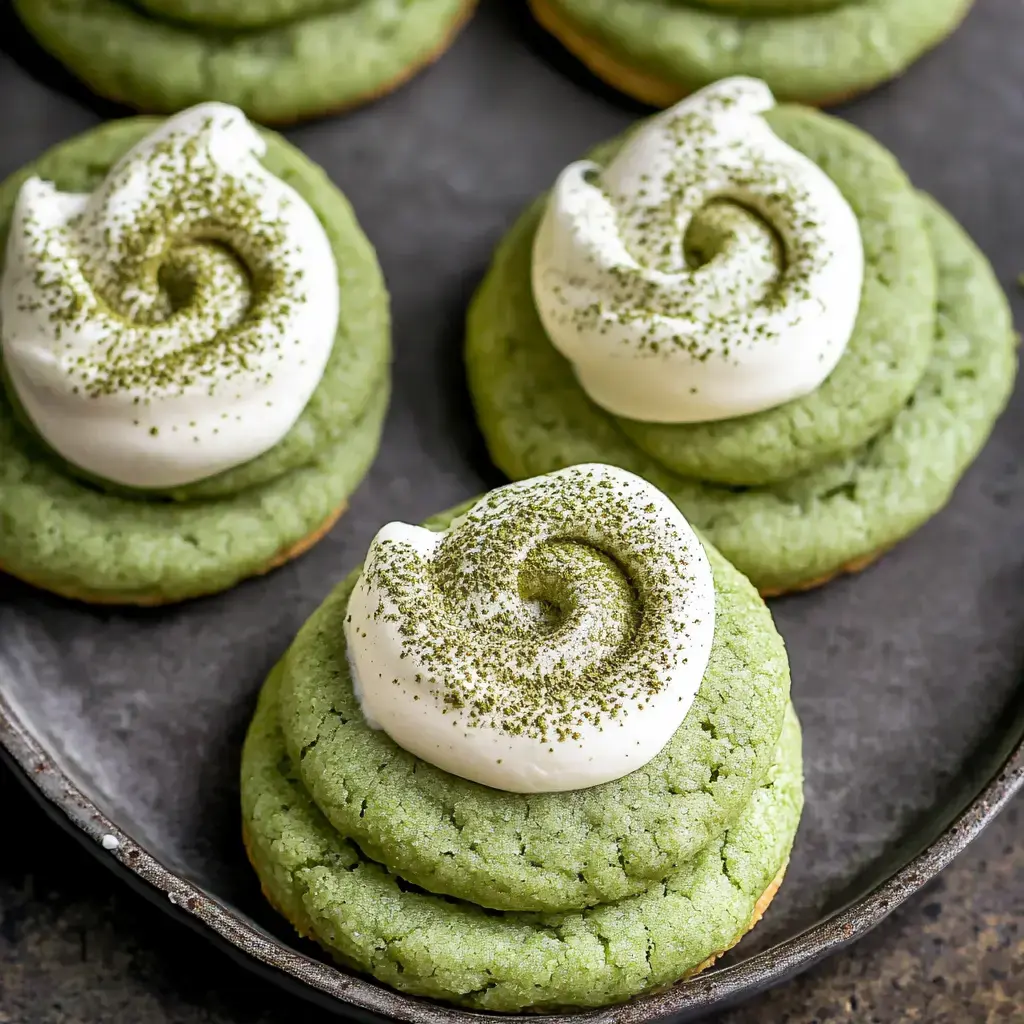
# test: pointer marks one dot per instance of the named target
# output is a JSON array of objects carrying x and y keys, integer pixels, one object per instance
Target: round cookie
[
  {"x": 804, "y": 530},
  {"x": 819, "y": 52},
  {"x": 357, "y": 370},
  {"x": 434, "y": 946},
  {"x": 886, "y": 354},
  {"x": 548, "y": 851},
  {"x": 95, "y": 541},
  {"x": 326, "y": 57}
]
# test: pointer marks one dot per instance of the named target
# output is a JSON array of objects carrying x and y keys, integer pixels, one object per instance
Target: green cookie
[
  {"x": 65, "y": 536},
  {"x": 536, "y": 419},
  {"x": 762, "y": 7},
  {"x": 427, "y": 945},
  {"x": 814, "y": 51},
  {"x": 358, "y": 367},
  {"x": 239, "y": 14},
  {"x": 550, "y": 851},
  {"x": 61, "y": 529},
  {"x": 331, "y": 55},
  {"x": 886, "y": 355}
]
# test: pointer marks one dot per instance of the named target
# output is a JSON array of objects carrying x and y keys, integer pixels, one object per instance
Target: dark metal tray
[{"x": 907, "y": 678}]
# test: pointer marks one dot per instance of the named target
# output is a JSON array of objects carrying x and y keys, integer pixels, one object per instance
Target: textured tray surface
[{"x": 906, "y": 677}]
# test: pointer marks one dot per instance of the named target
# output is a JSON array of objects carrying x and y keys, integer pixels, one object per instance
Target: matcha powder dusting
[
  {"x": 557, "y": 631},
  {"x": 173, "y": 322}
]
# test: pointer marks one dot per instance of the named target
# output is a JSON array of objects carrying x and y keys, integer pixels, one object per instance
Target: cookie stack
[
  {"x": 199, "y": 409},
  {"x": 751, "y": 306},
  {"x": 436, "y": 797}
]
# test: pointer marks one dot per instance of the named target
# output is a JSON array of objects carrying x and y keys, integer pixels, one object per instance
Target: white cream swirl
[
  {"x": 709, "y": 271},
  {"x": 553, "y": 638},
  {"x": 174, "y": 322}
]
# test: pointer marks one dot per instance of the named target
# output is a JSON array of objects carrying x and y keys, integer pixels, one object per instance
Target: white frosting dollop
[
  {"x": 174, "y": 322},
  {"x": 553, "y": 638},
  {"x": 654, "y": 336}
]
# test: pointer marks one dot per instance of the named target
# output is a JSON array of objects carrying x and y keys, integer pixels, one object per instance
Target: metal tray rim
[{"x": 336, "y": 990}]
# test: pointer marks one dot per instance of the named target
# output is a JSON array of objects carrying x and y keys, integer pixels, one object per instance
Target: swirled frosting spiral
[
  {"x": 553, "y": 638},
  {"x": 174, "y": 322},
  {"x": 708, "y": 271}
]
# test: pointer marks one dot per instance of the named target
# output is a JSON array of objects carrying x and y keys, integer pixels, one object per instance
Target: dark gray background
[{"x": 903, "y": 676}]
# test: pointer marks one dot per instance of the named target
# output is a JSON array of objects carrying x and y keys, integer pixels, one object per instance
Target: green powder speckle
[
  {"x": 548, "y": 607},
  {"x": 741, "y": 221},
  {"x": 191, "y": 276}
]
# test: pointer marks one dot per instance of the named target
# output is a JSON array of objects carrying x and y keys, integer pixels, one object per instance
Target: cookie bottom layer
[
  {"x": 65, "y": 536},
  {"x": 156, "y": 599},
  {"x": 442, "y": 948}
]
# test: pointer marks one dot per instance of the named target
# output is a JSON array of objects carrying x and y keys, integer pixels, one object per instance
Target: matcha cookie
[
  {"x": 822, "y": 483},
  {"x": 888, "y": 349},
  {"x": 280, "y": 61},
  {"x": 541, "y": 851},
  {"x": 376, "y": 922},
  {"x": 86, "y": 536},
  {"x": 537, "y": 754},
  {"x": 813, "y": 51}
]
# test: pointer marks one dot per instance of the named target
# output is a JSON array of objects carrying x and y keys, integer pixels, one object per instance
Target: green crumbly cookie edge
[{"x": 372, "y": 921}]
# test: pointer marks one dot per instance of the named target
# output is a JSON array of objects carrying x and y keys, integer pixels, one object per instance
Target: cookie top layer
[
  {"x": 887, "y": 352},
  {"x": 173, "y": 323},
  {"x": 358, "y": 363},
  {"x": 704, "y": 270},
  {"x": 434, "y": 946},
  {"x": 548, "y": 851}
]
